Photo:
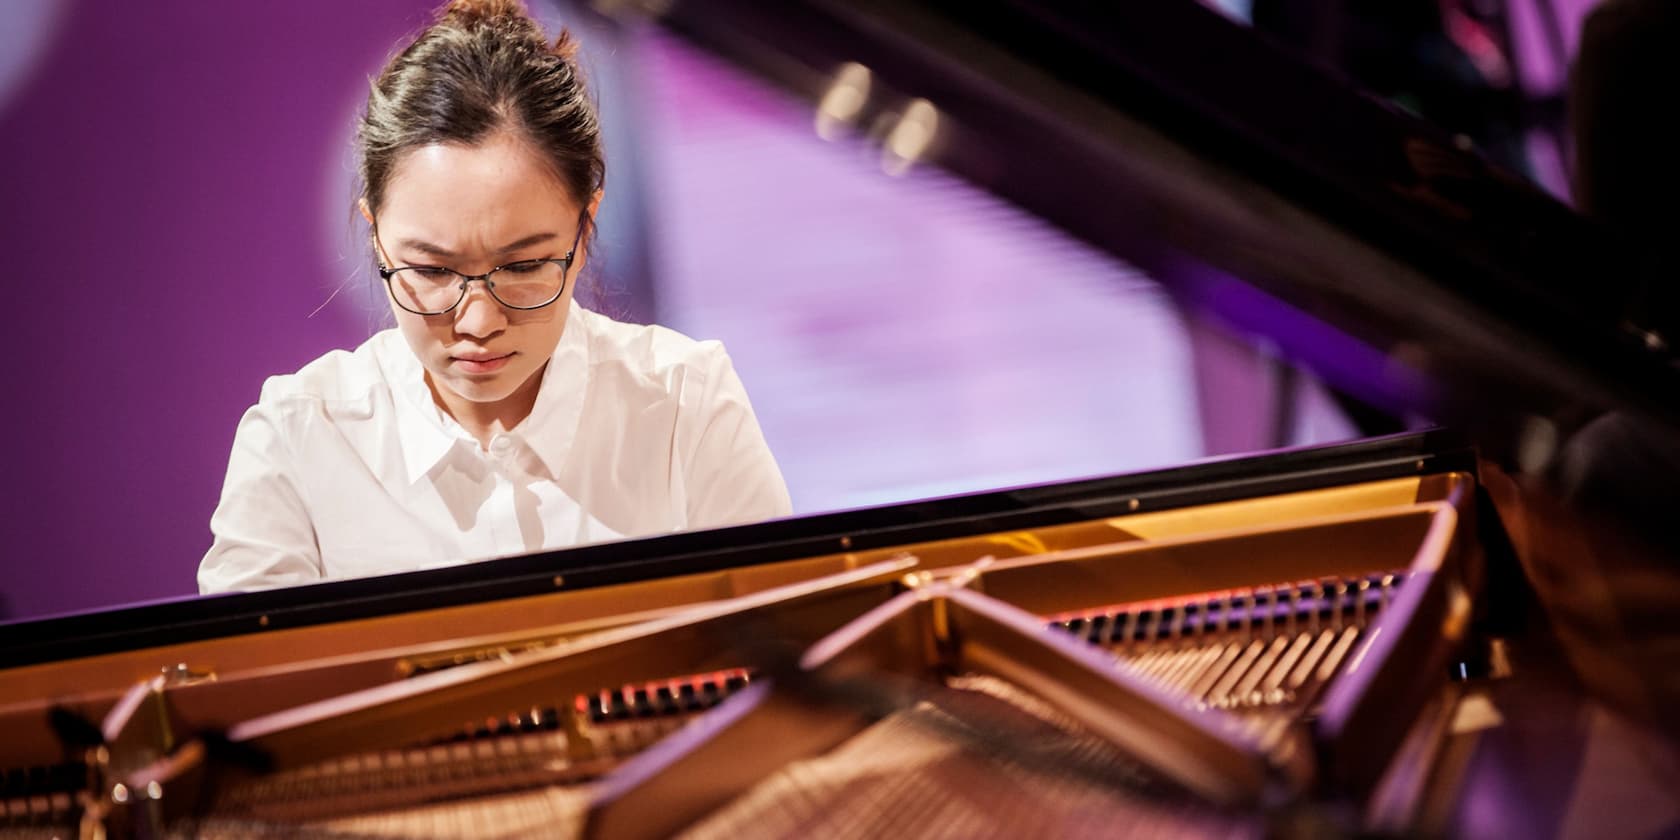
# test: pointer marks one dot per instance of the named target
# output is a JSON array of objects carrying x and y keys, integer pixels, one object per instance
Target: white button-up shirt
[{"x": 348, "y": 468}]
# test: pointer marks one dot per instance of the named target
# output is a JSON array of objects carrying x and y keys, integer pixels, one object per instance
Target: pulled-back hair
[{"x": 484, "y": 66}]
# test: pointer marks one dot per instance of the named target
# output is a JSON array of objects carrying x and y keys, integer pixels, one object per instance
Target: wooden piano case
[{"x": 1243, "y": 638}]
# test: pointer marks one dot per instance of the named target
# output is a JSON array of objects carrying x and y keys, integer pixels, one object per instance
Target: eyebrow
[{"x": 440, "y": 251}]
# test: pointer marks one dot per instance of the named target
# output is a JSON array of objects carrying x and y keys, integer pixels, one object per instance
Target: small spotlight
[
  {"x": 909, "y": 141},
  {"x": 844, "y": 100}
]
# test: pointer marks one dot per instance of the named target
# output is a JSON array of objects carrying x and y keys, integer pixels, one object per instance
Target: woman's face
[{"x": 471, "y": 209}]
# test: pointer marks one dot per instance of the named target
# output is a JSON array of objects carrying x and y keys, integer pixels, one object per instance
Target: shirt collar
[
  {"x": 553, "y": 422},
  {"x": 426, "y": 435}
]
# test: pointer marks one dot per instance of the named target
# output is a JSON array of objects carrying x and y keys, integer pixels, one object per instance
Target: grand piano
[{"x": 1411, "y": 634}]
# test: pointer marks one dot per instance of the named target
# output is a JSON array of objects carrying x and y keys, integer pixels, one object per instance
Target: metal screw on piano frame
[
  {"x": 183, "y": 674},
  {"x": 917, "y": 580}
]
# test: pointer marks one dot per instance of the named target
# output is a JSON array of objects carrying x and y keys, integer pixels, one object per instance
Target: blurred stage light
[
  {"x": 844, "y": 100},
  {"x": 910, "y": 140}
]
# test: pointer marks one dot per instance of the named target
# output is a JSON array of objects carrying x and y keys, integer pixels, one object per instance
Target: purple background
[
  {"x": 167, "y": 186},
  {"x": 178, "y": 226}
]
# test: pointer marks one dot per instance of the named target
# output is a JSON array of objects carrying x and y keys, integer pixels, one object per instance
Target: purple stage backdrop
[
  {"x": 178, "y": 226},
  {"x": 172, "y": 176}
]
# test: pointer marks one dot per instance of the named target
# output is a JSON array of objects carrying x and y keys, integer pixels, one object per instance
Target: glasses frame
[{"x": 388, "y": 272}]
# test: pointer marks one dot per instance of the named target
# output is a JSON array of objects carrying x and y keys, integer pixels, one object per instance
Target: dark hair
[{"x": 484, "y": 66}]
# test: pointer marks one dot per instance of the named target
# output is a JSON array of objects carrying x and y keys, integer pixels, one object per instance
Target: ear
[
  {"x": 583, "y": 246},
  {"x": 367, "y": 212}
]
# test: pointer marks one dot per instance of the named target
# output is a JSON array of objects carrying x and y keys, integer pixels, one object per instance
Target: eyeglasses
[{"x": 526, "y": 284}]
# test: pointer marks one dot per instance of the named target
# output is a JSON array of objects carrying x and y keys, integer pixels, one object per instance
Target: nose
[{"x": 479, "y": 315}]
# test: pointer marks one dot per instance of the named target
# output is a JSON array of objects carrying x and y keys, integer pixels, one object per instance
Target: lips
[{"x": 480, "y": 362}]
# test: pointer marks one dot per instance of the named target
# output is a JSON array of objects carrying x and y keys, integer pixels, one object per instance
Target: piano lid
[{"x": 1198, "y": 150}]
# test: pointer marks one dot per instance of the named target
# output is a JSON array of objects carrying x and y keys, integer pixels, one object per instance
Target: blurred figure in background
[
  {"x": 1626, "y": 172},
  {"x": 1596, "y": 532},
  {"x": 1448, "y": 61}
]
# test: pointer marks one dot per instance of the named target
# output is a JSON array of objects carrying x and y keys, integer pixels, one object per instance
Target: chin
[
  {"x": 494, "y": 388},
  {"x": 491, "y": 390}
]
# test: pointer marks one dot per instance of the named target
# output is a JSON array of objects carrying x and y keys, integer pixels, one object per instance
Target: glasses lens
[
  {"x": 425, "y": 289},
  {"x": 528, "y": 284}
]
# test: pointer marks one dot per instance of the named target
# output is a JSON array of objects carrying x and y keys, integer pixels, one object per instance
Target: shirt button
[{"x": 500, "y": 445}]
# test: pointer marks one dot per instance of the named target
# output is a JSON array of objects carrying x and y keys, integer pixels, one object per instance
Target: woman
[{"x": 498, "y": 417}]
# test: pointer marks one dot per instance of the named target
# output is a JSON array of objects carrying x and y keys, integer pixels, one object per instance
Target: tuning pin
[
  {"x": 1385, "y": 590},
  {"x": 1261, "y": 614},
  {"x": 1150, "y": 618},
  {"x": 1339, "y": 600},
  {"x": 1095, "y": 627},
  {"x": 1324, "y": 595},
  {"x": 665, "y": 700}
]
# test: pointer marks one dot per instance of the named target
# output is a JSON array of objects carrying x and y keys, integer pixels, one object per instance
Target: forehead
[{"x": 454, "y": 191}]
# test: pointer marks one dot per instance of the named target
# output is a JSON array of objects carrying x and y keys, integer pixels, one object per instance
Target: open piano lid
[{"x": 1192, "y": 147}]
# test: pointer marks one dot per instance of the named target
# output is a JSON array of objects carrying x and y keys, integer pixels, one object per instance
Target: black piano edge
[{"x": 121, "y": 629}]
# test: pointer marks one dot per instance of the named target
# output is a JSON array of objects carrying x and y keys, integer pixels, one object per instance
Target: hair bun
[
  {"x": 477, "y": 11},
  {"x": 565, "y": 47},
  {"x": 483, "y": 66}
]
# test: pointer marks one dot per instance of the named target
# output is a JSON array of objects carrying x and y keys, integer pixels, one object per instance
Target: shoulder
[
  {"x": 340, "y": 379},
  {"x": 650, "y": 355}
]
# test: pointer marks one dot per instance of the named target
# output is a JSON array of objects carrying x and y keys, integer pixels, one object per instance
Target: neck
[{"x": 484, "y": 420}]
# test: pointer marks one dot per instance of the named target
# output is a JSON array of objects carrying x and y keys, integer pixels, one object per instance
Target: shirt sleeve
[
  {"x": 262, "y": 532},
  {"x": 731, "y": 476}
]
